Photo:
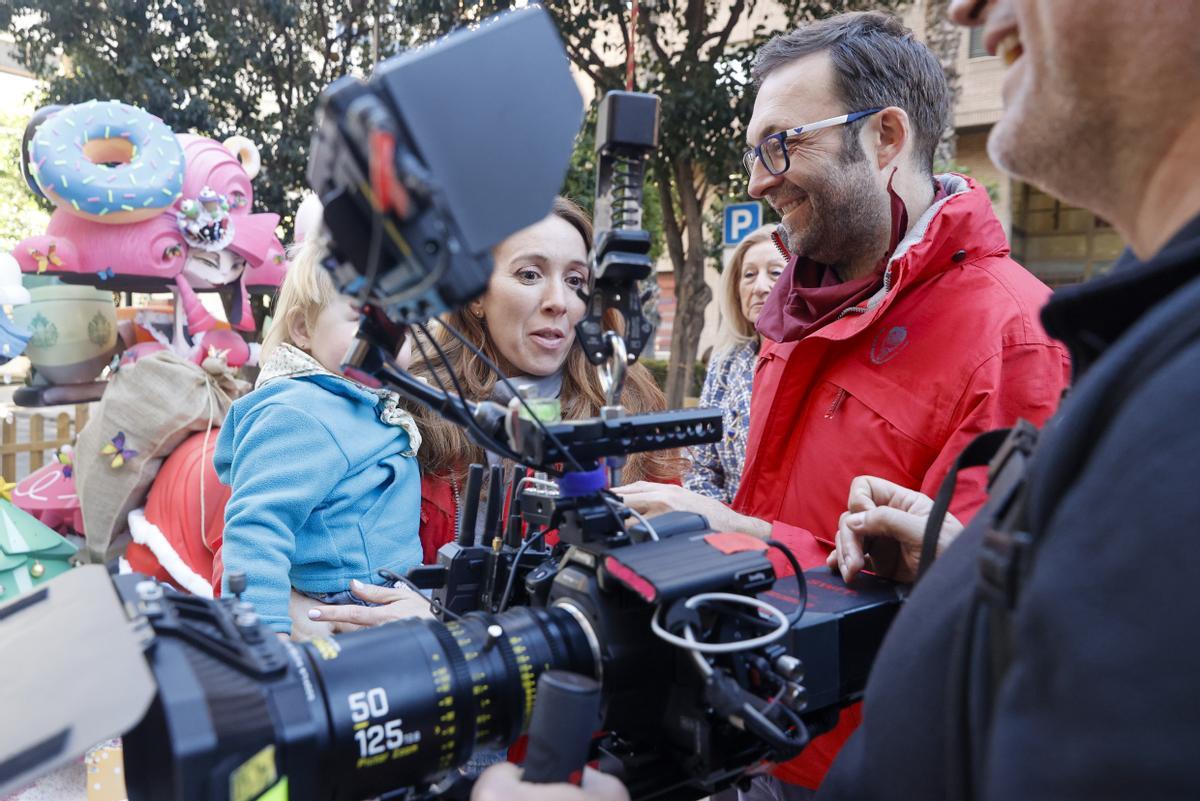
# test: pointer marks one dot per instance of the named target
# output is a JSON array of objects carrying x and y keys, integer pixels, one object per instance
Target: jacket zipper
[
  {"x": 777, "y": 239},
  {"x": 836, "y": 404},
  {"x": 457, "y": 502}
]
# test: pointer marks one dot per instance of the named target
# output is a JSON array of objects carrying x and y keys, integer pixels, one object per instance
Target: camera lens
[
  {"x": 395, "y": 706},
  {"x": 409, "y": 710}
]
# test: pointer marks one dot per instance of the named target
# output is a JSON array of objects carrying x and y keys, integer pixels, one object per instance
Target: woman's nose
[
  {"x": 763, "y": 283},
  {"x": 554, "y": 298}
]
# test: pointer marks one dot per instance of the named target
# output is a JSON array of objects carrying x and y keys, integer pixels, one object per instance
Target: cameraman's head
[
  {"x": 1102, "y": 105},
  {"x": 831, "y": 190}
]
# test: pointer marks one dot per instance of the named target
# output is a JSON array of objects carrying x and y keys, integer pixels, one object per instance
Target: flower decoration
[
  {"x": 117, "y": 450},
  {"x": 66, "y": 457}
]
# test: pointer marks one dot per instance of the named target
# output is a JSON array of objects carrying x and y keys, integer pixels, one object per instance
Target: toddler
[{"x": 326, "y": 487}]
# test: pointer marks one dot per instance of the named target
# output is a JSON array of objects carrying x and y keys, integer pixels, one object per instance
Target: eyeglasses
[{"x": 772, "y": 151}]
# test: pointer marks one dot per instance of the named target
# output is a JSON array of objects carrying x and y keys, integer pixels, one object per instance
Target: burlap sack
[{"x": 156, "y": 402}]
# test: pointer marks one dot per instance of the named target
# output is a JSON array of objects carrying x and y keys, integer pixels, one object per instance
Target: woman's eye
[
  {"x": 576, "y": 281},
  {"x": 528, "y": 274},
  {"x": 776, "y": 273}
]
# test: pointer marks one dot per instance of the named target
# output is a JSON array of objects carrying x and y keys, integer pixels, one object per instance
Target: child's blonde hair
[{"x": 306, "y": 290}]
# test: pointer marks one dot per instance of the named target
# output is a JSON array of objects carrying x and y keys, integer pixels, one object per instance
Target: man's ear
[
  {"x": 893, "y": 134},
  {"x": 297, "y": 329}
]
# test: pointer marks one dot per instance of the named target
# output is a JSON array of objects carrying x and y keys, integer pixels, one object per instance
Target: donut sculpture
[{"x": 107, "y": 161}]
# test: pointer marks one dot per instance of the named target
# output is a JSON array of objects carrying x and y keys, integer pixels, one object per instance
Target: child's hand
[{"x": 397, "y": 603}]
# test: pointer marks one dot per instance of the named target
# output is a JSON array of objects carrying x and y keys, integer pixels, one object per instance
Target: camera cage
[{"x": 653, "y": 610}]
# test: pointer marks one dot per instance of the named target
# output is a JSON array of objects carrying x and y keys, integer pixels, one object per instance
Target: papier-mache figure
[
  {"x": 13, "y": 338},
  {"x": 140, "y": 208}
]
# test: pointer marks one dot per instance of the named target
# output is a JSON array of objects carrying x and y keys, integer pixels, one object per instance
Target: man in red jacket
[{"x": 901, "y": 328}]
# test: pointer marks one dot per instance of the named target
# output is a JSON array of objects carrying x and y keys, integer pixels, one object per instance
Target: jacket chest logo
[{"x": 888, "y": 343}]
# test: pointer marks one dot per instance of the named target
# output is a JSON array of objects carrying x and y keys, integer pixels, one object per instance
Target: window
[
  {"x": 1059, "y": 243},
  {"x": 975, "y": 48}
]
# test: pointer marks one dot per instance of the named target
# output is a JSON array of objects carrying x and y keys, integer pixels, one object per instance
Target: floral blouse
[{"x": 717, "y": 467}]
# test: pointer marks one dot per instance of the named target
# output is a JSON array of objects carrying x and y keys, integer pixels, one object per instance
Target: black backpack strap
[{"x": 994, "y": 448}]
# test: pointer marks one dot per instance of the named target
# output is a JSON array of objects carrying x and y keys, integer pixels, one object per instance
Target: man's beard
[{"x": 848, "y": 221}]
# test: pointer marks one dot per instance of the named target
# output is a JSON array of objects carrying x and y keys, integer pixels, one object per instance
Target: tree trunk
[
  {"x": 691, "y": 293},
  {"x": 944, "y": 38}
]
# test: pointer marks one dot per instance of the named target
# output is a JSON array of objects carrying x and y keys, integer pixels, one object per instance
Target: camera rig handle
[
  {"x": 626, "y": 134},
  {"x": 565, "y": 715}
]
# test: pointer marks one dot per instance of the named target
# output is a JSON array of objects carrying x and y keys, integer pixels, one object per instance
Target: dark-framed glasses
[{"x": 772, "y": 151}]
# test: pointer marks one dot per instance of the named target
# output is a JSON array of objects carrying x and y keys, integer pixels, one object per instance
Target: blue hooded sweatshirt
[{"x": 323, "y": 491}]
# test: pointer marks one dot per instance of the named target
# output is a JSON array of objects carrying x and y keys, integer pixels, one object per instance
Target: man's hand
[
  {"x": 655, "y": 499},
  {"x": 502, "y": 782},
  {"x": 885, "y": 524},
  {"x": 397, "y": 603}
]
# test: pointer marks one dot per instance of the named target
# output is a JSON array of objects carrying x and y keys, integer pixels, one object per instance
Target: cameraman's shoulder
[
  {"x": 1140, "y": 476},
  {"x": 1159, "y": 416}
]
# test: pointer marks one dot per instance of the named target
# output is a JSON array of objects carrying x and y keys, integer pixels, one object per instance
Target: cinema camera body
[{"x": 665, "y": 650}]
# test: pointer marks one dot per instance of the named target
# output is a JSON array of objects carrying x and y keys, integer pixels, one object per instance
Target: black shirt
[{"x": 1102, "y": 697}]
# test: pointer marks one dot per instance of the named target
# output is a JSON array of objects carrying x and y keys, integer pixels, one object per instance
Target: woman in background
[{"x": 747, "y": 280}]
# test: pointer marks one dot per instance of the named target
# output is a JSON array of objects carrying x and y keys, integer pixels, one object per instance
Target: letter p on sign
[{"x": 740, "y": 220}]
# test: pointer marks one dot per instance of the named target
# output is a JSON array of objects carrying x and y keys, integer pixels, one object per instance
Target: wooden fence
[{"x": 46, "y": 435}]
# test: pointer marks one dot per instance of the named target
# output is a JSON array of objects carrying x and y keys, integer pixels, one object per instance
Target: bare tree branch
[
  {"x": 652, "y": 37},
  {"x": 722, "y": 36},
  {"x": 624, "y": 30}
]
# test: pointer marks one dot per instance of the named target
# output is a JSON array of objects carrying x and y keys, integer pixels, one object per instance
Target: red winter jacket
[
  {"x": 954, "y": 348},
  {"x": 439, "y": 516}
]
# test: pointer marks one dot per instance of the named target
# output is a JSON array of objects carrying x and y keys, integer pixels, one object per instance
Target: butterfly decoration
[
  {"x": 120, "y": 454},
  {"x": 105, "y": 274},
  {"x": 66, "y": 457},
  {"x": 45, "y": 260}
]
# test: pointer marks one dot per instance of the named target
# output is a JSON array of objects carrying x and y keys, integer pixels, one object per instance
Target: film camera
[{"x": 668, "y": 651}]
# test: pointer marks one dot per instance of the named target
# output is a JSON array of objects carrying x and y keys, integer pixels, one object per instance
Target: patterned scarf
[{"x": 810, "y": 295}]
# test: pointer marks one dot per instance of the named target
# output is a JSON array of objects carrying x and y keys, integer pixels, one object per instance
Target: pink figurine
[{"x": 206, "y": 238}]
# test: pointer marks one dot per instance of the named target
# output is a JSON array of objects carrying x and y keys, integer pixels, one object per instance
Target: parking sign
[{"x": 740, "y": 220}]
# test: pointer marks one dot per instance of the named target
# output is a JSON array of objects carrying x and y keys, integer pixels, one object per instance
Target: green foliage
[
  {"x": 20, "y": 214},
  {"x": 658, "y": 369}
]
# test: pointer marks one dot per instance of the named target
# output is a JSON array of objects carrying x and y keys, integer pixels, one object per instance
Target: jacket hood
[{"x": 961, "y": 227}]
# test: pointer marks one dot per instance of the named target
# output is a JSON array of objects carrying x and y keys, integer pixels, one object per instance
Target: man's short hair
[{"x": 877, "y": 63}]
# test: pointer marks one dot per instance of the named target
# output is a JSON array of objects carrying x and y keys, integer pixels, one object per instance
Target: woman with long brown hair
[{"x": 525, "y": 324}]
